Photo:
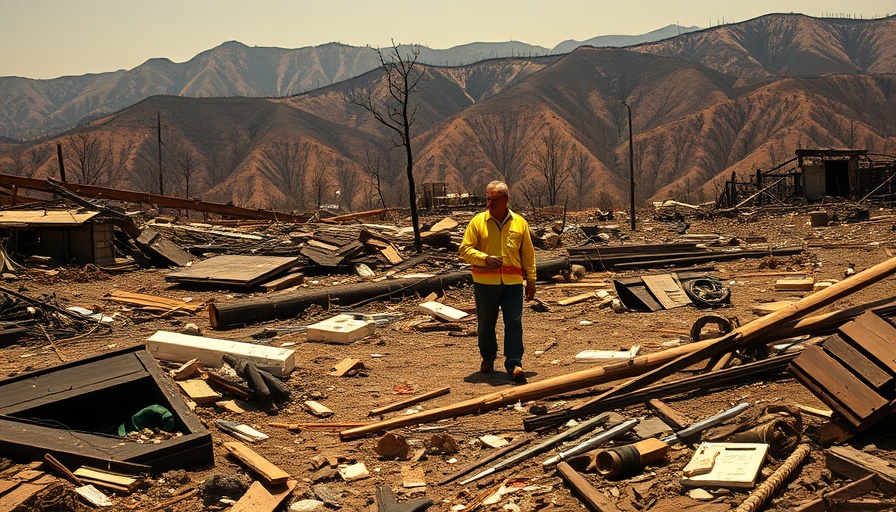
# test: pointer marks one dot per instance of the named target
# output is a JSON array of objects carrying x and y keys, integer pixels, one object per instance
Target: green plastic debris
[{"x": 153, "y": 416}]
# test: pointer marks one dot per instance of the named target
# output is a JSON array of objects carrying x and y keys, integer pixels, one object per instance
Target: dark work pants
[{"x": 509, "y": 299}]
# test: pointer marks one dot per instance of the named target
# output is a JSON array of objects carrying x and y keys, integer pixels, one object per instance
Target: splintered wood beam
[
  {"x": 744, "y": 335},
  {"x": 156, "y": 199},
  {"x": 422, "y": 397},
  {"x": 587, "y": 492},
  {"x": 264, "y": 468}
]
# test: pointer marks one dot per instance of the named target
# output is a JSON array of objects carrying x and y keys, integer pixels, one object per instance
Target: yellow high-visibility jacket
[{"x": 486, "y": 236}]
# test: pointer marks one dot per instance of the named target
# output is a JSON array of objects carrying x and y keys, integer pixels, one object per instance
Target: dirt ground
[{"x": 400, "y": 359}]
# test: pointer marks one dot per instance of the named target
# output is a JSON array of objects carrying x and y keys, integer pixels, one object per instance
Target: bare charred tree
[
  {"x": 18, "y": 167},
  {"x": 286, "y": 165},
  {"x": 377, "y": 169},
  {"x": 582, "y": 179},
  {"x": 533, "y": 190},
  {"x": 39, "y": 157},
  {"x": 470, "y": 173},
  {"x": 394, "y": 111},
  {"x": 347, "y": 181},
  {"x": 90, "y": 158},
  {"x": 552, "y": 160},
  {"x": 505, "y": 140},
  {"x": 145, "y": 173},
  {"x": 320, "y": 182},
  {"x": 27, "y": 162},
  {"x": 186, "y": 167},
  {"x": 226, "y": 155}
]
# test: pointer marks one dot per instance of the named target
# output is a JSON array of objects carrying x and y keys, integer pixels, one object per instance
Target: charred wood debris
[{"x": 368, "y": 250}]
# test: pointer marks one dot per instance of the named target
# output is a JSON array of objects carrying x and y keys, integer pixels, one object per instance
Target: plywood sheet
[
  {"x": 44, "y": 217},
  {"x": 666, "y": 290},
  {"x": 234, "y": 269}
]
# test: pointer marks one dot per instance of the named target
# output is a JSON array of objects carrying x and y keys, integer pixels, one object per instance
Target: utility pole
[
  {"x": 158, "y": 128},
  {"x": 631, "y": 163},
  {"x": 159, "y": 133}
]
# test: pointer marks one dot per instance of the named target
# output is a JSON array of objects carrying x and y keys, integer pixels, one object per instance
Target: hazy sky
[{"x": 52, "y": 38}]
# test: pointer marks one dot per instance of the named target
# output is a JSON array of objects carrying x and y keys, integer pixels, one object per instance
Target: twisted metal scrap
[{"x": 771, "y": 484}]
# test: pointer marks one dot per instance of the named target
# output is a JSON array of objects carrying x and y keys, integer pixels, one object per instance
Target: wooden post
[
  {"x": 61, "y": 162},
  {"x": 601, "y": 374}
]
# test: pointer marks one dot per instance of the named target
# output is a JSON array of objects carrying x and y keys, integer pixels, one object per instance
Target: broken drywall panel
[
  {"x": 443, "y": 312},
  {"x": 342, "y": 328}
]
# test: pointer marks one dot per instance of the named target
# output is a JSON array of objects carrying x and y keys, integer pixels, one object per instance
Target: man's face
[{"x": 496, "y": 202}]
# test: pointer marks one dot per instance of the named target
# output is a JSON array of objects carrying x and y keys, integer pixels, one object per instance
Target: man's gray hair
[{"x": 498, "y": 186}]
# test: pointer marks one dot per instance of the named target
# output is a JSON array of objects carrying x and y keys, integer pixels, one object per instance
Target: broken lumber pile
[
  {"x": 657, "y": 365},
  {"x": 596, "y": 258},
  {"x": 289, "y": 303}
]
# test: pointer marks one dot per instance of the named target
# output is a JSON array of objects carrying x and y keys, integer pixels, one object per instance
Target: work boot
[
  {"x": 487, "y": 366},
  {"x": 518, "y": 375}
]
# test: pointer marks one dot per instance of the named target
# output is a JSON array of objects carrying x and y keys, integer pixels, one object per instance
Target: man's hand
[
  {"x": 530, "y": 290},
  {"x": 493, "y": 261}
]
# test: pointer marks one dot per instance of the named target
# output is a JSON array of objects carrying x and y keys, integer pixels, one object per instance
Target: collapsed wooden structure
[
  {"x": 72, "y": 411},
  {"x": 813, "y": 174}
]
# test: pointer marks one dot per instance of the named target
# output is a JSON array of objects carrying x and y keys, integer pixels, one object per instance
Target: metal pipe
[
  {"x": 589, "y": 443},
  {"x": 708, "y": 422},
  {"x": 576, "y": 431}
]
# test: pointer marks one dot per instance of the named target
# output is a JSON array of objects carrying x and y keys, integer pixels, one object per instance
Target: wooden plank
[
  {"x": 234, "y": 269},
  {"x": 881, "y": 327},
  {"x": 18, "y": 495},
  {"x": 582, "y": 297},
  {"x": 321, "y": 256},
  {"x": 346, "y": 365},
  {"x": 318, "y": 409},
  {"x": 443, "y": 312},
  {"x": 7, "y": 485},
  {"x": 860, "y": 365},
  {"x": 861, "y": 332},
  {"x": 291, "y": 279},
  {"x": 391, "y": 255},
  {"x": 164, "y": 247},
  {"x": 587, "y": 492},
  {"x": 856, "y": 464},
  {"x": 795, "y": 285},
  {"x": 261, "y": 498},
  {"x": 199, "y": 391},
  {"x": 670, "y": 416},
  {"x": 180, "y": 348},
  {"x": 840, "y": 382},
  {"x": 102, "y": 477},
  {"x": 826, "y": 397},
  {"x": 410, "y": 401},
  {"x": 666, "y": 290},
  {"x": 26, "y": 391},
  {"x": 445, "y": 224},
  {"x": 186, "y": 370},
  {"x": 766, "y": 308},
  {"x": 153, "y": 302},
  {"x": 855, "y": 489},
  {"x": 264, "y": 468}
]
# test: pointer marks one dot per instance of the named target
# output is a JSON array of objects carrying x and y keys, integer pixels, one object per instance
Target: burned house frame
[
  {"x": 812, "y": 175},
  {"x": 67, "y": 236},
  {"x": 72, "y": 411}
]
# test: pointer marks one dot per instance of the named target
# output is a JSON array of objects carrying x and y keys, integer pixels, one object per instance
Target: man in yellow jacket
[{"x": 498, "y": 247}]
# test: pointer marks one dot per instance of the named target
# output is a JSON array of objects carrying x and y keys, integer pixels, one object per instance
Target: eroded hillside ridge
[{"x": 693, "y": 124}]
